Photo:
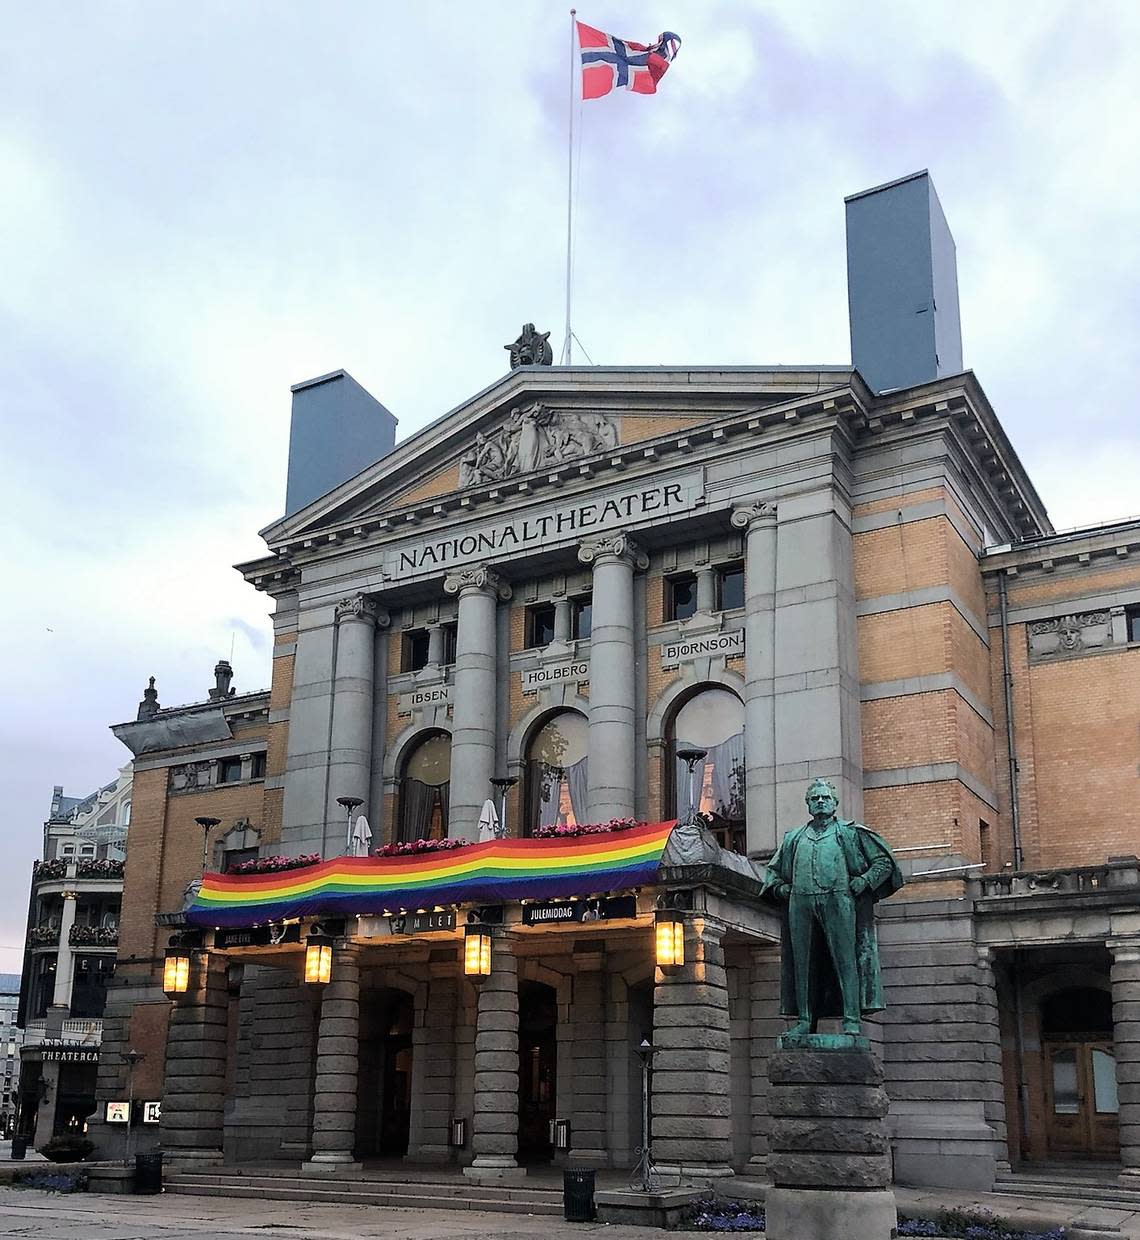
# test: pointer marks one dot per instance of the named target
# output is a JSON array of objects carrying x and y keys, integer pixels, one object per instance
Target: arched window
[
  {"x": 557, "y": 779},
  {"x": 712, "y": 720},
  {"x": 424, "y": 789}
]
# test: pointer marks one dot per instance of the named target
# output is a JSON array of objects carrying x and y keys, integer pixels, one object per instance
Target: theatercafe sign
[{"x": 619, "y": 508}]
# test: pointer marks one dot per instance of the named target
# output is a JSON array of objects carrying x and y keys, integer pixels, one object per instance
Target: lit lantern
[
  {"x": 176, "y": 971},
  {"x": 318, "y": 959},
  {"x": 477, "y": 952},
  {"x": 670, "y": 929}
]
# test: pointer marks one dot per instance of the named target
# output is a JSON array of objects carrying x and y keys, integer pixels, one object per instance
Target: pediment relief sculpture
[{"x": 535, "y": 437}]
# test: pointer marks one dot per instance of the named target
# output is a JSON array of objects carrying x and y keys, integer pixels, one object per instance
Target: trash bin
[
  {"x": 148, "y": 1172},
  {"x": 578, "y": 1194},
  {"x": 19, "y": 1145}
]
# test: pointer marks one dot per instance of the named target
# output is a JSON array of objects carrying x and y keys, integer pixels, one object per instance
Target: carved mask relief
[{"x": 1069, "y": 635}]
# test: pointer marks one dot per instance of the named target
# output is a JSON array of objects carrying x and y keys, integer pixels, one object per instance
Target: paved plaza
[{"x": 32, "y": 1215}]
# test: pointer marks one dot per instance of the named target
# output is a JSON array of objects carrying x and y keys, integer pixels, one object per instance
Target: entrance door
[
  {"x": 538, "y": 1070},
  {"x": 1083, "y": 1111},
  {"x": 384, "y": 1073}
]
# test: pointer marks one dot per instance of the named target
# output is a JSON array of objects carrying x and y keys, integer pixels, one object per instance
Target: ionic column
[
  {"x": 692, "y": 1102},
  {"x": 706, "y": 588},
  {"x": 473, "y": 715},
  {"x": 495, "y": 1118},
  {"x": 1125, "y": 977},
  {"x": 350, "y": 744},
  {"x": 435, "y": 645},
  {"x": 612, "y": 685},
  {"x": 562, "y": 619},
  {"x": 338, "y": 1045},
  {"x": 65, "y": 957},
  {"x": 759, "y": 523},
  {"x": 194, "y": 1088}
]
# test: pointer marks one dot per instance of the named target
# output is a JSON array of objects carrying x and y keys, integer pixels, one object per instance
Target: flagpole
[{"x": 566, "y": 349}]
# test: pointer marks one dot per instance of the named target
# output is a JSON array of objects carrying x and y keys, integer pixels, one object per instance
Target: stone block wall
[
  {"x": 941, "y": 1047},
  {"x": 269, "y": 1112}
]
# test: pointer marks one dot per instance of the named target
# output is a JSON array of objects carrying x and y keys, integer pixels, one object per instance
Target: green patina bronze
[{"x": 828, "y": 875}]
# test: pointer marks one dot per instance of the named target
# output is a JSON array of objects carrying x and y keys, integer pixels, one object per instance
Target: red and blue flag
[{"x": 609, "y": 63}]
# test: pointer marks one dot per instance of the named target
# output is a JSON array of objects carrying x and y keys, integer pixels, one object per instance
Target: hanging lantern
[
  {"x": 477, "y": 952},
  {"x": 318, "y": 959},
  {"x": 670, "y": 932},
  {"x": 176, "y": 971}
]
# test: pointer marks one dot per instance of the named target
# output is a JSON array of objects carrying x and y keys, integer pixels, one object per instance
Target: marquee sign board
[
  {"x": 422, "y": 923},
  {"x": 565, "y": 912},
  {"x": 258, "y": 936}
]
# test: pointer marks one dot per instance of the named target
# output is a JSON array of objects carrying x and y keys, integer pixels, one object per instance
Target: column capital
[
  {"x": 481, "y": 577},
  {"x": 612, "y": 547},
  {"x": 745, "y": 516},
  {"x": 361, "y": 607}
]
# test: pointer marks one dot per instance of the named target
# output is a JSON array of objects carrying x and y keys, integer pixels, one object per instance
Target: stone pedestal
[{"x": 829, "y": 1157}]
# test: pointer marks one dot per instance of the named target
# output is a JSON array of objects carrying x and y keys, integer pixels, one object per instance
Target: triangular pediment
[{"x": 534, "y": 422}]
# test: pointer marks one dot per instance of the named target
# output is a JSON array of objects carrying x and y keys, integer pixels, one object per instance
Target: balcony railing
[
  {"x": 75, "y": 1029},
  {"x": 93, "y": 936},
  {"x": 1067, "y": 880},
  {"x": 43, "y": 936},
  {"x": 56, "y": 868},
  {"x": 92, "y": 868}
]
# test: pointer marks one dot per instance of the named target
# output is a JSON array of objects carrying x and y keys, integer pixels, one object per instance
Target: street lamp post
[
  {"x": 207, "y": 824},
  {"x": 690, "y": 757},
  {"x": 502, "y": 785},
  {"x": 133, "y": 1058},
  {"x": 645, "y": 1173},
  {"x": 348, "y": 804}
]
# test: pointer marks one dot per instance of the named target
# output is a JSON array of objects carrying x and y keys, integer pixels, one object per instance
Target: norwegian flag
[{"x": 609, "y": 63}]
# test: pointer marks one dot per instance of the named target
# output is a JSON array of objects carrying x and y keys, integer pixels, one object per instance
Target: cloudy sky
[{"x": 204, "y": 204}]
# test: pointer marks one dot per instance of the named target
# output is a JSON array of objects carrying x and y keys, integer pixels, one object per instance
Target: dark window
[
  {"x": 730, "y": 587},
  {"x": 449, "y": 631},
  {"x": 257, "y": 770},
  {"x": 93, "y": 975},
  {"x": 711, "y": 720},
  {"x": 680, "y": 597},
  {"x": 236, "y": 856},
  {"x": 583, "y": 618},
  {"x": 229, "y": 770},
  {"x": 557, "y": 778},
  {"x": 1132, "y": 620},
  {"x": 415, "y": 650},
  {"x": 540, "y": 625},
  {"x": 425, "y": 789},
  {"x": 986, "y": 843}
]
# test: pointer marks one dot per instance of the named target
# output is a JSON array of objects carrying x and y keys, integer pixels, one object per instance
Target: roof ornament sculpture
[
  {"x": 532, "y": 348},
  {"x": 149, "y": 706}
]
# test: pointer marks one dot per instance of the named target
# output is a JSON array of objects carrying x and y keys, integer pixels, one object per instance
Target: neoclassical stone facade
[{"x": 786, "y": 574}]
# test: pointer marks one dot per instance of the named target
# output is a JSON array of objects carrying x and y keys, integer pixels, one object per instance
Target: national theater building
[{"x": 540, "y": 601}]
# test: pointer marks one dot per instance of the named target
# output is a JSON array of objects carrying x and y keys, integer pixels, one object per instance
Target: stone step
[
  {"x": 1076, "y": 1188},
  {"x": 361, "y": 1195}
]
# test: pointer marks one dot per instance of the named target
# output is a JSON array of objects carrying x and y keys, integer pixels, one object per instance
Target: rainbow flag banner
[{"x": 547, "y": 869}]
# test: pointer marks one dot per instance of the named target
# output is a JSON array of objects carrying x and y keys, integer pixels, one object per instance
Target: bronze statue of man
[{"x": 830, "y": 873}]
